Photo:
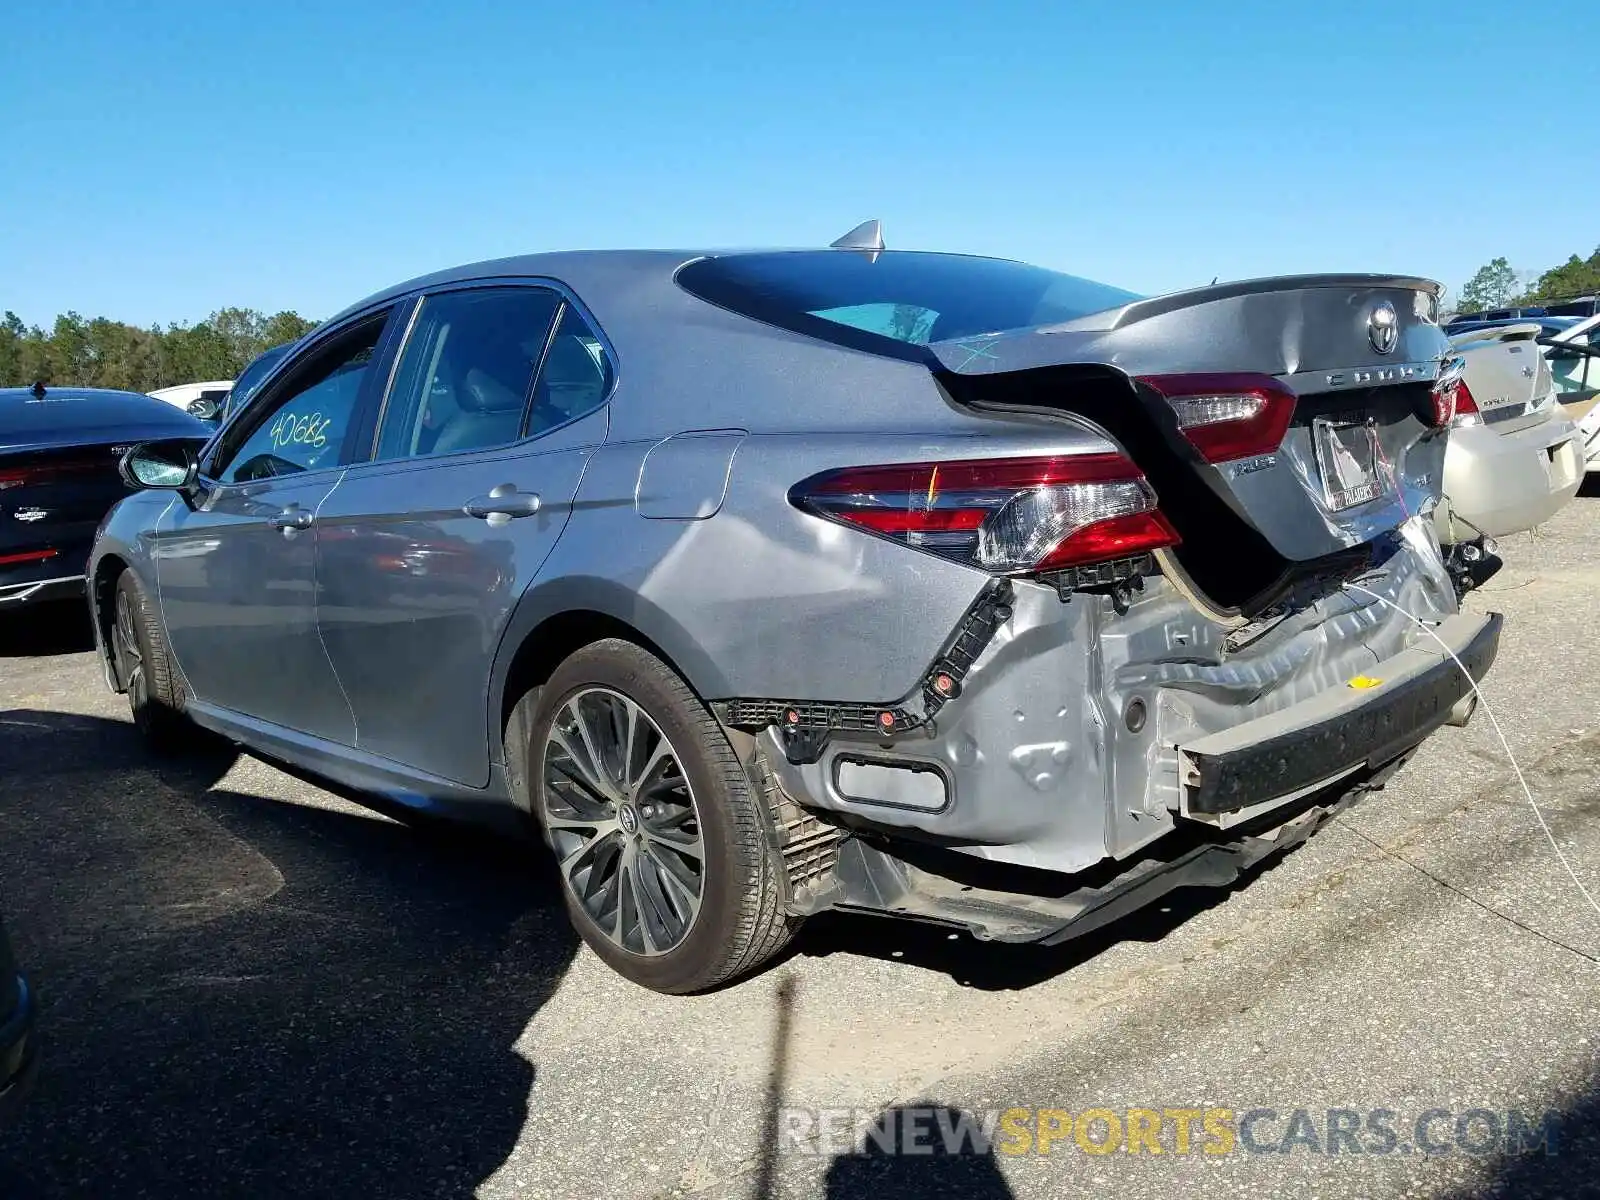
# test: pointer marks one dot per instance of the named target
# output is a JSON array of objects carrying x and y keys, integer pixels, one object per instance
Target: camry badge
[{"x": 1383, "y": 327}]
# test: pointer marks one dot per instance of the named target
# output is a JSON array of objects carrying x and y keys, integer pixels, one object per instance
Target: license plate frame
[{"x": 1347, "y": 459}]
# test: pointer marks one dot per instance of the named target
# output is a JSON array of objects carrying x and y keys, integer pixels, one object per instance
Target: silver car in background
[{"x": 767, "y": 583}]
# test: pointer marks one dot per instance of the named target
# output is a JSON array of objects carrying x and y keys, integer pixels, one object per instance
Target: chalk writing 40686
[{"x": 309, "y": 430}]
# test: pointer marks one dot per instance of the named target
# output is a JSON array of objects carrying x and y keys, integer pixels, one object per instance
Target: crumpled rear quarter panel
[{"x": 1042, "y": 767}]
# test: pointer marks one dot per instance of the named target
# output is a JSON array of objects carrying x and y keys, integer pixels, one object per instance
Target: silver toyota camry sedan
[{"x": 767, "y": 583}]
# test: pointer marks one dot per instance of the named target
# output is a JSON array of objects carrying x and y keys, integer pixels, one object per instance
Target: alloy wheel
[{"x": 621, "y": 815}]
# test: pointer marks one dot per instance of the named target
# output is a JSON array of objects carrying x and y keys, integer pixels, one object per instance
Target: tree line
[
  {"x": 97, "y": 352},
  {"x": 1500, "y": 285}
]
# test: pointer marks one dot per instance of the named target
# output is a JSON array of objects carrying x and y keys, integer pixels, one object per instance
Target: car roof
[
  {"x": 596, "y": 274},
  {"x": 565, "y": 265}
]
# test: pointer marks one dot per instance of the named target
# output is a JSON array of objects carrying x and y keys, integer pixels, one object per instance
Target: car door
[
  {"x": 236, "y": 567},
  {"x": 497, "y": 402}
]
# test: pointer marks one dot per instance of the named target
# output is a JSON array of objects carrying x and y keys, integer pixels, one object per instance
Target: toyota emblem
[{"x": 1383, "y": 327}]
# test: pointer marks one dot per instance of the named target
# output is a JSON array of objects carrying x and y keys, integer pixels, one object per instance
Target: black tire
[
  {"x": 144, "y": 667},
  {"x": 740, "y": 922}
]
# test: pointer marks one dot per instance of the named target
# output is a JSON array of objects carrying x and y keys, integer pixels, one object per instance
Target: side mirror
[
  {"x": 170, "y": 465},
  {"x": 205, "y": 408}
]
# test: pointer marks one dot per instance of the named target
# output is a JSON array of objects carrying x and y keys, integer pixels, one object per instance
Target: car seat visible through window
[{"x": 574, "y": 380}]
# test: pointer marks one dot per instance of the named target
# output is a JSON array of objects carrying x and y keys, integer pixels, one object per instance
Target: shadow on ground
[
  {"x": 58, "y": 627},
  {"x": 1000, "y": 966},
  {"x": 885, "y": 1168},
  {"x": 1565, "y": 1163},
  {"x": 907, "y": 1153},
  {"x": 243, "y": 996}
]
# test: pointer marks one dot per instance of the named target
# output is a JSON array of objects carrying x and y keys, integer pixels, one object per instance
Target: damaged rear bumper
[
  {"x": 924, "y": 884},
  {"x": 1339, "y": 731},
  {"x": 1242, "y": 792}
]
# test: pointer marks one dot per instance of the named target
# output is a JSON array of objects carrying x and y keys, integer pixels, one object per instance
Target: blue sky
[{"x": 169, "y": 158}]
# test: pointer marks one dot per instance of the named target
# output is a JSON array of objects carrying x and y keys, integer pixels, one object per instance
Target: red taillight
[
  {"x": 8, "y": 560},
  {"x": 1453, "y": 402},
  {"x": 1466, "y": 405},
  {"x": 1007, "y": 516},
  {"x": 1228, "y": 416},
  {"x": 49, "y": 472}
]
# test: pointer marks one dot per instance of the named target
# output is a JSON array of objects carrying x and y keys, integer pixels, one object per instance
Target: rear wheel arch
[
  {"x": 103, "y": 591},
  {"x": 145, "y": 668},
  {"x": 554, "y": 622}
]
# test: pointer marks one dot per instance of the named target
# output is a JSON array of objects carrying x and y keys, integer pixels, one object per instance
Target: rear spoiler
[
  {"x": 1500, "y": 333},
  {"x": 1155, "y": 306}
]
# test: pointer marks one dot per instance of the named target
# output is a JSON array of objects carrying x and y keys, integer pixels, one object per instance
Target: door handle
[
  {"x": 290, "y": 519},
  {"x": 502, "y": 503}
]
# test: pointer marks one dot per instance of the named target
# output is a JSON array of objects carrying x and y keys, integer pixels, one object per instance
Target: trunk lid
[
  {"x": 88, "y": 416},
  {"x": 1359, "y": 455},
  {"x": 52, "y": 500},
  {"x": 1508, "y": 375}
]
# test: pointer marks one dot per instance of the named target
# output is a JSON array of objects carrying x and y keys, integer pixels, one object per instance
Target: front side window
[
  {"x": 252, "y": 376},
  {"x": 465, "y": 375},
  {"x": 304, "y": 427}
]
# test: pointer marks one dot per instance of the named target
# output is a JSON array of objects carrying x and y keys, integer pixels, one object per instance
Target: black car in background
[
  {"x": 59, "y": 453},
  {"x": 18, "y": 1052}
]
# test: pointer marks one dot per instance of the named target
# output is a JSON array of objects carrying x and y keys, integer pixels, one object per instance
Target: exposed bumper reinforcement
[{"x": 1340, "y": 730}]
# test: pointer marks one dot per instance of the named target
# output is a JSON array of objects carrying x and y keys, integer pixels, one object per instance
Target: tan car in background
[{"x": 1515, "y": 454}]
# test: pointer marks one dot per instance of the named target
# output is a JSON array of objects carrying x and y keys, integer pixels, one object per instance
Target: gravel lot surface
[{"x": 253, "y": 986}]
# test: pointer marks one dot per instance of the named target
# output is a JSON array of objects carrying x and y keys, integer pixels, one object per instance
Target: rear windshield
[{"x": 897, "y": 300}]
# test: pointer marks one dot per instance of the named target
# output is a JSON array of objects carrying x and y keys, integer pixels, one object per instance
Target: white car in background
[
  {"x": 184, "y": 394},
  {"x": 1574, "y": 358},
  {"x": 1515, "y": 455}
]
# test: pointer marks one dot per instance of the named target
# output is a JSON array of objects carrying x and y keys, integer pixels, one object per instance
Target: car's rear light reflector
[
  {"x": 1006, "y": 516},
  {"x": 1228, "y": 416},
  {"x": 1450, "y": 400},
  {"x": 8, "y": 560},
  {"x": 50, "y": 471},
  {"x": 1118, "y": 537},
  {"x": 1463, "y": 408}
]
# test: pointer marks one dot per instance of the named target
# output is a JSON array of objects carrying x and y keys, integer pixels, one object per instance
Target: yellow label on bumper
[{"x": 1365, "y": 681}]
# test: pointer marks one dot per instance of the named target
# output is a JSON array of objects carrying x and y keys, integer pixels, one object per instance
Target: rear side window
[
  {"x": 466, "y": 373},
  {"x": 576, "y": 378},
  {"x": 894, "y": 301}
]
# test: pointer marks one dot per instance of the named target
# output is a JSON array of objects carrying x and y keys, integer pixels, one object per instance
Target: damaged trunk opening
[{"x": 1224, "y": 558}]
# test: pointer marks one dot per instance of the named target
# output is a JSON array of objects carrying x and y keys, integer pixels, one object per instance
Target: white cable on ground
[{"x": 1483, "y": 700}]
